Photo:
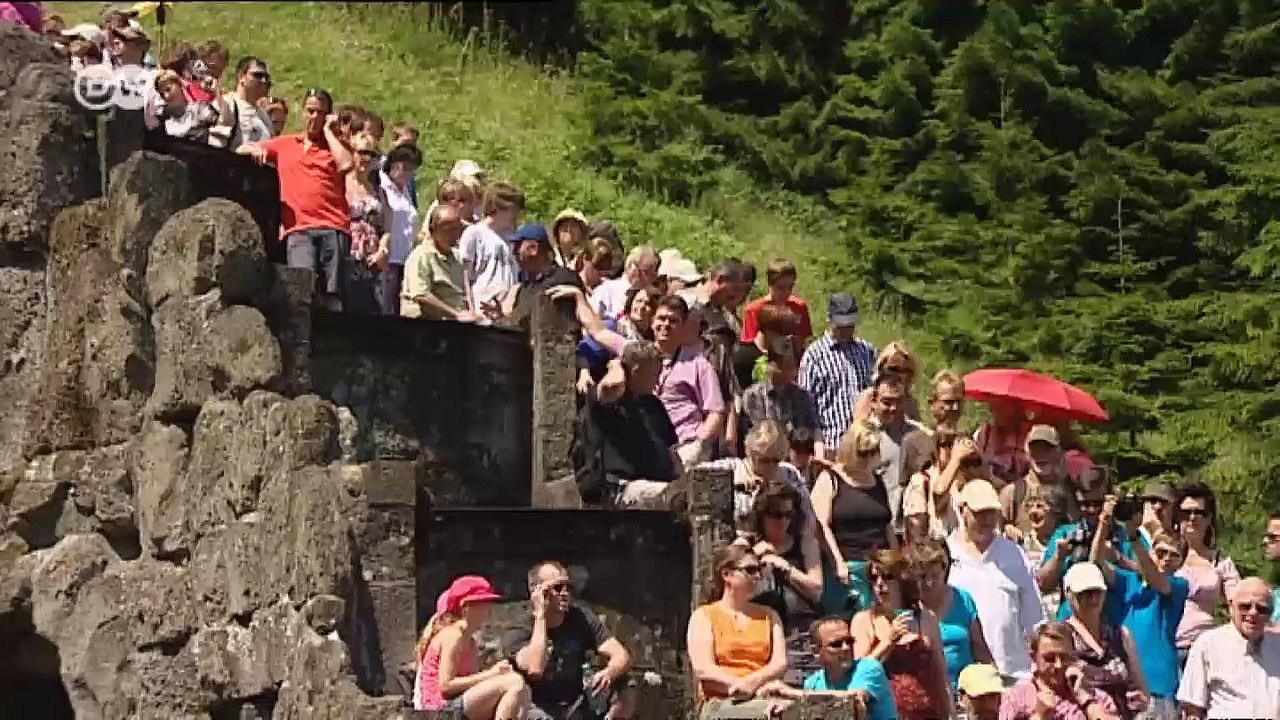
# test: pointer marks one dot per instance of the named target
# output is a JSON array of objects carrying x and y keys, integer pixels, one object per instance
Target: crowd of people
[{"x": 886, "y": 552}]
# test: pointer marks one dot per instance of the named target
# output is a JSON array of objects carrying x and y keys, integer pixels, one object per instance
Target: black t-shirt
[
  {"x": 635, "y": 436},
  {"x": 568, "y": 645},
  {"x": 531, "y": 287}
]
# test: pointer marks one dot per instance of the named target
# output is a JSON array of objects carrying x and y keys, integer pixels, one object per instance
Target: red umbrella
[{"x": 1042, "y": 393}]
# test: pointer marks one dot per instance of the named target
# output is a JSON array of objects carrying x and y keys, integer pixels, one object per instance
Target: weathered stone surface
[
  {"x": 206, "y": 350},
  {"x": 22, "y": 325},
  {"x": 554, "y": 334},
  {"x": 76, "y": 491},
  {"x": 212, "y": 244},
  {"x": 99, "y": 355}
]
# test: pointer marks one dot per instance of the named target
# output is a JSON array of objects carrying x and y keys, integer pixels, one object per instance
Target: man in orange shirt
[
  {"x": 316, "y": 221},
  {"x": 781, "y": 277}
]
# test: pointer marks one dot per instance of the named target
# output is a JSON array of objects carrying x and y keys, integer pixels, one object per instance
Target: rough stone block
[
  {"x": 554, "y": 334},
  {"x": 452, "y": 396}
]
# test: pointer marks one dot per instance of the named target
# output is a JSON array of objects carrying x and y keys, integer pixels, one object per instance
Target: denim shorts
[{"x": 320, "y": 250}]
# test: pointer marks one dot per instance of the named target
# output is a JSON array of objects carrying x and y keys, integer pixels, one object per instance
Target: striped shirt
[{"x": 835, "y": 374}]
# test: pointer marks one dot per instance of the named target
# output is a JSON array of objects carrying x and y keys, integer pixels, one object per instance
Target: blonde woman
[
  {"x": 449, "y": 675},
  {"x": 852, "y": 506},
  {"x": 766, "y": 448},
  {"x": 895, "y": 359}
]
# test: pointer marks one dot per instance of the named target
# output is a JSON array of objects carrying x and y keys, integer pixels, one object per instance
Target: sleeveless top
[
  {"x": 955, "y": 627},
  {"x": 427, "y": 687},
  {"x": 366, "y": 225},
  {"x": 1109, "y": 670},
  {"x": 739, "y": 650},
  {"x": 914, "y": 678},
  {"x": 859, "y": 517}
]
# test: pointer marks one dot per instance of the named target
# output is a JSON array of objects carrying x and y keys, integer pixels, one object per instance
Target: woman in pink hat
[{"x": 449, "y": 675}]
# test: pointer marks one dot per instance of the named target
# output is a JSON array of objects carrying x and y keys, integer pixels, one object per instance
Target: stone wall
[{"x": 623, "y": 564}]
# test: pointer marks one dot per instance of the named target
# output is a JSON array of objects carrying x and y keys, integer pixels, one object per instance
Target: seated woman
[
  {"x": 904, "y": 636},
  {"x": 852, "y": 506},
  {"x": 449, "y": 675},
  {"x": 736, "y": 647},
  {"x": 767, "y": 447},
  {"x": 894, "y": 359},
  {"x": 958, "y": 625},
  {"x": 1059, "y": 688},
  {"x": 787, "y": 545}
]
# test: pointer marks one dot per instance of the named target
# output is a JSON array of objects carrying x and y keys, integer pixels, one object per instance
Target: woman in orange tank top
[{"x": 736, "y": 647}]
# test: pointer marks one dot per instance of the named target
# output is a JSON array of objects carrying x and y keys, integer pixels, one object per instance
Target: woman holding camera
[{"x": 903, "y": 634}]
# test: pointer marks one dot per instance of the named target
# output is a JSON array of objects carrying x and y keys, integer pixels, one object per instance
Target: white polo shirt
[{"x": 1227, "y": 680}]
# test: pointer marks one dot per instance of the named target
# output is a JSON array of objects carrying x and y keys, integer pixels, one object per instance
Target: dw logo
[{"x": 98, "y": 87}]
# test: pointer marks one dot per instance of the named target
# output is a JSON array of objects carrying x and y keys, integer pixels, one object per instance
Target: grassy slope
[{"x": 472, "y": 101}]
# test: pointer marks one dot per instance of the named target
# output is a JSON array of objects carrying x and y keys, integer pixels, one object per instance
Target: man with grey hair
[
  {"x": 641, "y": 268},
  {"x": 625, "y": 447},
  {"x": 434, "y": 281},
  {"x": 1233, "y": 671},
  {"x": 554, "y": 654}
]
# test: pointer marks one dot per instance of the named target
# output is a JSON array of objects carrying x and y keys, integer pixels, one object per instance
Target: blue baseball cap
[{"x": 532, "y": 231}]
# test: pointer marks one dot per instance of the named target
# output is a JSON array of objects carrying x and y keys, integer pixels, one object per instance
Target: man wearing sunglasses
[
  {"x": 1233, "y": 671},
  {"x": 841, "y": 674},
  {"x": 556, "y": 656},
  {"x": 248, "y": 123}
]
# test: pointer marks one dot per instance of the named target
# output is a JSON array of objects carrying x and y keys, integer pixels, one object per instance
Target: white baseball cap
[
  {"x": 1083, "y": 576},
  {"x": 87, "y": 31},
  {"x": 979, "y": 495}
]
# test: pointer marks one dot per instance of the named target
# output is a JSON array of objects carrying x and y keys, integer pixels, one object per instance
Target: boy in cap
[{"x": 980, "y": 689}]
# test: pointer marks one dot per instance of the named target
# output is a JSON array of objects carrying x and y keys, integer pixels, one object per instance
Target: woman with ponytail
[{"x": 449, "y": 675}]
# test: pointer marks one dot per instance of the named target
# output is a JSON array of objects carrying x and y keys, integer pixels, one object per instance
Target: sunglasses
[
  {"x": 1271, "y": 537},
  {"x": 840, "y": 644},
  {"x": 560, "y": 587},
  {"x": 1193, "y": 512},
  {"x": 753, "y": 570},
  {"x": 263, "y": 76},
  {"x": 1260, "y": 608}
]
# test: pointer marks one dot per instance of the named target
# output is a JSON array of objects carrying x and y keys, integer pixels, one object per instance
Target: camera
[
  {"x": 199, "y": 69},
  {"x": 1127, "y": 507}
]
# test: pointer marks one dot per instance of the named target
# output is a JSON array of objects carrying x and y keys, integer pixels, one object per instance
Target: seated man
[
  {"x": 555, "y": 657},
  {"x": 864, "y": 680},
  {"x": 624, "y": 443}
]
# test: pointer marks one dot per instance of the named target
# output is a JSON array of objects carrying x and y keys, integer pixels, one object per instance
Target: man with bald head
[
  {"x": 434, "y": 284},
  {"x": 1233, "y": 671}
]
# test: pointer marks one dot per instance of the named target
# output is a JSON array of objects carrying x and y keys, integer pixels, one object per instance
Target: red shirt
[
  {"x": 311, "y": 188},
  {"x": 196, "y": 91},
  {"x": 751, "y": 319}
]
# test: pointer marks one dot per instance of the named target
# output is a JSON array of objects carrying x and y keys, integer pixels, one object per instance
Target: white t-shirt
[
  {"x": 254, "y": 125},
  {"x": 403, "y": 225},
  {"x": 610, "y": 296},
  {"x": 490, "y": 264}
]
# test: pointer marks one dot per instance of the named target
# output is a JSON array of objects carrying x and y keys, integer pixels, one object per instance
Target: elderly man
[
  {"x": 994, "y": 571},
  {"x": 557, "y": 647},
  {"x": 641, "y": 268},
  {"x": 435, "y": 285},
  {"x": 1233, "y": 671}
]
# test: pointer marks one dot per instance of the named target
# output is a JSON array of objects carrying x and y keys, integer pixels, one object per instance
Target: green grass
[{"x": 471, "y": 99}]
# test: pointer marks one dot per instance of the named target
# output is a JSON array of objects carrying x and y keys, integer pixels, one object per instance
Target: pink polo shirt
[{"x": 689, "y": 390}]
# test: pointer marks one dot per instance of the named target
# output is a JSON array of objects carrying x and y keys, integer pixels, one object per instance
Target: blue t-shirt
[
  {"x": 1275, "y": 606},
  {"x": 1152, "y": 619},
  {"x": 957, "y": 644},
  {"x": 868, "y": 675},
  {"x": 1113, "y": 610}
]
